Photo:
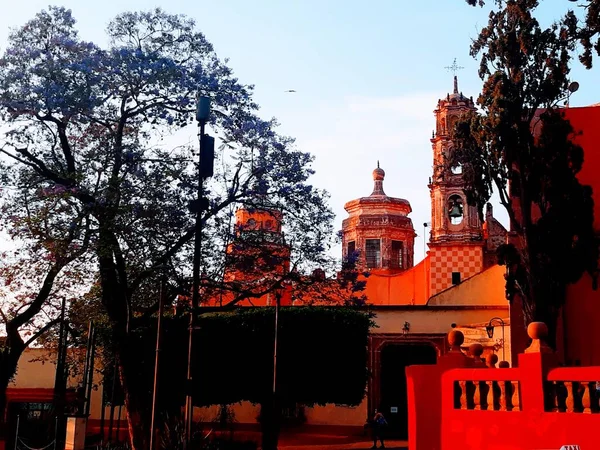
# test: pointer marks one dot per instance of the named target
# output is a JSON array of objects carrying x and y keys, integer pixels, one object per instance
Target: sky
[{"x": 367, "y": 77}]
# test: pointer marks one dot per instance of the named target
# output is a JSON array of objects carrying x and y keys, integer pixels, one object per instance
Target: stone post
[{"x": 535, "y": 363}]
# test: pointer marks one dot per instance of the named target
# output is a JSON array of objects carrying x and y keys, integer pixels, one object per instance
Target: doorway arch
[{"x": 390, "y": 389}]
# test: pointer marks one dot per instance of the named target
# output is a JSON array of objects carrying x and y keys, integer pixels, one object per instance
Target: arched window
[
  {"x": 455, "y": 209},
  {"x": 457, "y": 169}
]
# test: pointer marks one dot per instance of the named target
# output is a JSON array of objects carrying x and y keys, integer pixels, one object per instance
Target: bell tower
[{"x": 456, "y": 239}]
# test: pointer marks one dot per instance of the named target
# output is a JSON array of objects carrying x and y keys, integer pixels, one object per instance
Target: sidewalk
[{"x": 389, "y": 445}]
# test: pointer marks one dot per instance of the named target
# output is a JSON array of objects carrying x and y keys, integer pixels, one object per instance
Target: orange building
[{"x": 456, "y": 285}]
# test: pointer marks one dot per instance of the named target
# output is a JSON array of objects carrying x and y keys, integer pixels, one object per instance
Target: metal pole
[
  {"x": 156, "y": 361},
  {"x": 112, "y": 401},
  {"x": 55, "y": 431},
  {"x": 277, "y": 302},
  {"x": 119, "y": 425},
  {"x": 60, "y": 376},
  {"x": 189, "y": 408},
  {"x": 88, "y": 394},
  {"x": 503, "y": 342},
  {"x": 87, "y": 365},
  {"x": 17, "y": 432},
  {"x": 499, "y": 319}
]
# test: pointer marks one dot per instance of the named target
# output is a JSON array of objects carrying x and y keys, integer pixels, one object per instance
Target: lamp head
[
  {"x": 490, "y": 331},
  {"x": 202, "y": 109}
]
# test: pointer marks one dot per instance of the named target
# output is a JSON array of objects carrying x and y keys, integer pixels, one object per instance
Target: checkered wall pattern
[{"x": 467, "y": 260}]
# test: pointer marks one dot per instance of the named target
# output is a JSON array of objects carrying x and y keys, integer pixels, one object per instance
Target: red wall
[
  {"x": 529, "y": 429},
  {"x": 583, "y": 303}
]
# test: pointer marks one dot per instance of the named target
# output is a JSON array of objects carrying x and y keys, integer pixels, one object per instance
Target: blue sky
[{"x": 367, "y": 76}]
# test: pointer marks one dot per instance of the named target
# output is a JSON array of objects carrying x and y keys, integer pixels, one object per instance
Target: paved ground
[
  {"x": 326, "y": 441},
  {"x": 314, "y": 441},
  {"x": 390, "y": 445}
]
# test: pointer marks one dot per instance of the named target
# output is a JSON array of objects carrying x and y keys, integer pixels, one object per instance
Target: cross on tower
[{"x": 454, "y": 68}]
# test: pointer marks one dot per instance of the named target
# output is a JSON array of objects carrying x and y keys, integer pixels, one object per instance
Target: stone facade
[{"x": 378, "y": 231}]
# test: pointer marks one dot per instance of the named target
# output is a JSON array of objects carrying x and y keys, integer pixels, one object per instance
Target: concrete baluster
[
  {"x": 502, "y": 395},
  {"x": 570, "y": 400},
  {"x": 490, "y": 395},
  {"x": 585, "y": 398},
  {"x": 463, "y": 394},
  {"x": 515, "y": 400}
]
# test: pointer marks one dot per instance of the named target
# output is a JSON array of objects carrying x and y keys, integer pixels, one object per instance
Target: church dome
[
  {"x": 379, "y": 229},
  {"x": 379, "y": 198}
]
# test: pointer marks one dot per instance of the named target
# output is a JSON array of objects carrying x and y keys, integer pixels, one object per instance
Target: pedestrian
[{"x": 378, "y": 426}]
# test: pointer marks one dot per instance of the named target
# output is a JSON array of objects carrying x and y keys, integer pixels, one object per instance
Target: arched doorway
[{"x": 393, "y": 396}]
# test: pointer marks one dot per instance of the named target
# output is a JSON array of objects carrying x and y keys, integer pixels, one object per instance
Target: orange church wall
[
  {"x": 485, "y": 288},
  {"x": 464, "y": 259},
  {"x": 410, "y": 287}
]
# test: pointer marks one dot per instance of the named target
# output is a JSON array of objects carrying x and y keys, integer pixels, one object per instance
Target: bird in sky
[{"x": 290, "y": 90}]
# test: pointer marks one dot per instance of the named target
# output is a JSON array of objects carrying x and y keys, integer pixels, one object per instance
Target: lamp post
[
  {"x": 490, "y": 332},
  {"x": 274, "y": 412},
  {"x": 161, "y": 302},
  {"x": 205, "y": 166}
]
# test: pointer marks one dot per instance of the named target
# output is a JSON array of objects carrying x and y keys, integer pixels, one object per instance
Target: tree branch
[{"x": 41, "y": 331}]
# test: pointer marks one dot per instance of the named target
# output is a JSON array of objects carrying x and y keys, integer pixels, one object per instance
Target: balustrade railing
[
  {"x": 487, "y": 390},
  {"x": 573, "y": 390}
]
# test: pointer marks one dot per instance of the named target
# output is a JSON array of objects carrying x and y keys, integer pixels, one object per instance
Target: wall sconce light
[{"x": 405, "y": 328}]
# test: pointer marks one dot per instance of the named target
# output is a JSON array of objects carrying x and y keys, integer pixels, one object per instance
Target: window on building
[
  {"x": 456, "y": 170},
  {"x": 373, "y": 253},
  {"x": 396, "y": 256},
  {"x": 455, "y": 278},
  {"x": 350, "y": 249}
]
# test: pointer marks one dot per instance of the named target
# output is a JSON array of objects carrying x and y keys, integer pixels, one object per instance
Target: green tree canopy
[{"x": 522, "y": 146}]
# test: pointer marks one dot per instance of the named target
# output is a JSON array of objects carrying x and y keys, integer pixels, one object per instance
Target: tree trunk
[
  {"x": 270, "y": 421},
  {"x": 137, "y": 408},
  {"x": 4, "y": 380},
  {"x": 9, "y": 359}
]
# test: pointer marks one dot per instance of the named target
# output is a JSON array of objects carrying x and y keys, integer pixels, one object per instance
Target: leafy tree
[
  {"x": 521, "y": 147},
  {"x": 94, "y": 125},
  {"x": 325, "y": 362},
  {"x": 586, "y": 31},
  {"x": 38, "y": 272}
]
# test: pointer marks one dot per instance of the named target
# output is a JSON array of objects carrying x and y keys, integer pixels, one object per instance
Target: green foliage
[
  {"x": 585, "y": 30},
  {"x": 321, "y": 358},
  {"x": 522, "y": 147}
]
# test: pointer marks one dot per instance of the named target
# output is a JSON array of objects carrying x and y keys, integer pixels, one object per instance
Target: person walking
[{"x": 378, "y": 425}]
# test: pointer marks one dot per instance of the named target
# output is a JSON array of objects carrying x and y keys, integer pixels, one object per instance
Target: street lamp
[
  {"x": 205, "y": 170},
  {"x": 490, "y": 332}
]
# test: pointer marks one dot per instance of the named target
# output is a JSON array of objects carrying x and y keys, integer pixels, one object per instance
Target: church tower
[
  {"x": 456, "y": 239},
  {"x": 378, "y": 231}
]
